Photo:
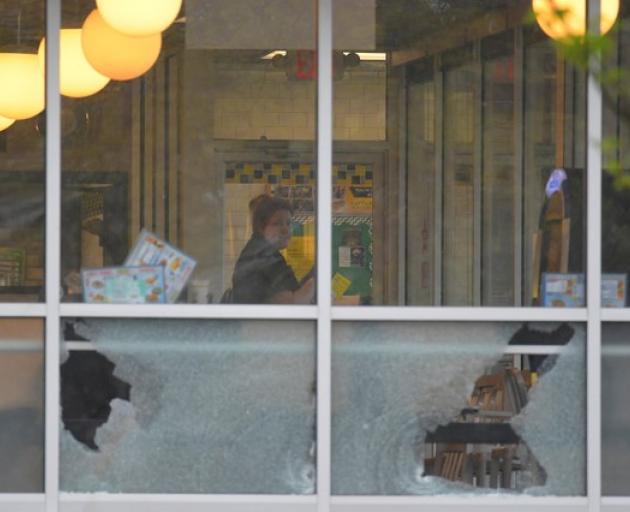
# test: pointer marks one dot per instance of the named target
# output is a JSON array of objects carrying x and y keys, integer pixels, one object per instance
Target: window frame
[{"x": 324, "y": 313}]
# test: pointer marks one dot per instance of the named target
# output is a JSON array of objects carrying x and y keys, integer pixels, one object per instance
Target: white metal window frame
[{"x": 52, "y": 500}]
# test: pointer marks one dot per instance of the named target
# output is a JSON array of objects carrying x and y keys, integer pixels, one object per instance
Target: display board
[{"x": 295, "y": 182}]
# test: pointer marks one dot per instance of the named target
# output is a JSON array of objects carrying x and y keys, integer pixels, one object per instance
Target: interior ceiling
[
  {"x": 22, "y": 22},
  {"x": 398, "y": 22},
  {"x": 401, "y": 22}
]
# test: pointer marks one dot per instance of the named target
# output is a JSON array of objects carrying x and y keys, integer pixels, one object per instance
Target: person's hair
[{"x": 263, "y": 207}]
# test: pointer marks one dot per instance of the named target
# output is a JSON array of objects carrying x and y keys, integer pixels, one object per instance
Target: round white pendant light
[
  {"x": 21, "y": 86},
  {"x": 5, "y": 122},
  {"x": 139, "y": 17},
  {"x": 77, "y": 77},
  {"x": 567, "y": 18},
  {"x": 116, "y": 55}
]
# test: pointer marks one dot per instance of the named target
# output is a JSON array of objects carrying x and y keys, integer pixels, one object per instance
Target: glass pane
[
  {"x": 449, "y": 121},
  {"x": 615, "y": 414},
  {"x": 22, "y": 405},
  {"x": 22, "y": 157},
  {"x": 616, "y": 165},
  {"x": 161, "y": 165},
  {"x": 458, "y": 409},
  {"x": 174, "y": 406}
]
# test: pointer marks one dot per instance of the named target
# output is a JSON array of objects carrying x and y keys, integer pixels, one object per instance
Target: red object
[{"x": 306, "y": 65}]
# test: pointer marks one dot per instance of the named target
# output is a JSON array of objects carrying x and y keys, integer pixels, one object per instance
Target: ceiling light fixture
[
  {"x": 5, "y": 122},
  {"x": 21, "y": 86},
  {"x": 567, "y": 18},
  {"x": 78, "y": 78},
  {"x": 116, "y": 55},
  {"x": 139, "y": 17}
]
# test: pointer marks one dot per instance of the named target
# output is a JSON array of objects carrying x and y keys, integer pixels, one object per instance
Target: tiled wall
[{"x": 252, "y": 104}]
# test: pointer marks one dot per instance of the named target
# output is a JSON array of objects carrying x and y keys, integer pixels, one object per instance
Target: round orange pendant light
[
  {"x": 139, "y": 17},
  {"x": 115, "y": 55},
  {"x": 21, "y": 86},
  {"x": 77, "y": 77},
  {"x": 567, "y": 18},
  {"x": 5, "y": 122}
]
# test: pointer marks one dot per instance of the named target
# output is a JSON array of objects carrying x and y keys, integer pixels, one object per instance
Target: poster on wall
[
  {"x": 150, "y": 250},
  {"x": 352, "y": 259},
  {"x": 12, "y": 266},
  {"x": 124, "y": 285}
]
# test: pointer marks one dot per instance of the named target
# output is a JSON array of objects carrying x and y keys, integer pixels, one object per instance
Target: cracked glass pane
[
  {"x": 435, "y": 408},
  {"x": 615, "y": 412},
  {"x": 21, "y": 405},
  {"x": 197, "y": 406}
]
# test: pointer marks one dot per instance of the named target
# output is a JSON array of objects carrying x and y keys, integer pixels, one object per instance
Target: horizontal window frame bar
[
  {"x": 458, "y": 314},
  {"x": 456, "y": 504},
  {"x": 86, "y": 346},
  {"x": 22, "y": 498},
  {"x": 339, "y": 313},
  {"x": 615, "y": 315},
  {"x": 69, "y": 497},
  {"x": 189, "y": 311},
  {"x": 460, "y": 501},
  {"x": 23, "y": 502},
  {"x": 616, "y": 501},
  {"x": 23, "y": 310}
]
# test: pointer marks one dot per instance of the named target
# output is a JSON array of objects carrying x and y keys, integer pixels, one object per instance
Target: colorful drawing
[
  {"x": 561, "y": 290},
  {"x": 178, "y": 267},
  {"x": 124, "y": 285}
]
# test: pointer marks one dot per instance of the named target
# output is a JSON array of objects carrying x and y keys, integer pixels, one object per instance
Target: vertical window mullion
[
  {"x": 594, "y": 167},
  {"x": 53, "y": 252},
  {"x": 324, "y": 250}
]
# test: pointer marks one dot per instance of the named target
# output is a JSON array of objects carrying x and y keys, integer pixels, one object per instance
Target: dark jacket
[{"x": 261, "y": 272}]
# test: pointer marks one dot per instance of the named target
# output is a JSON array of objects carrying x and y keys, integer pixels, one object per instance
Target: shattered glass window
[
  {"x": 436, "y": 408},
  {"x": 615, "y": 412},
  {"x": 173, "y": 406},
  {"x": 21, "y": 405}
]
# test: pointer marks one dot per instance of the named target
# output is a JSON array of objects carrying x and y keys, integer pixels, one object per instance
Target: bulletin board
[{"x": 295, "y": 182}]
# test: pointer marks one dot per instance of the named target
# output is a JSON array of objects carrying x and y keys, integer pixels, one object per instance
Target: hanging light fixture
[
  {"x": 115, "y": 55},
  {"x": 78, "y": 78},
  {"x": 567, "y": 18},
  {"x": 5, "y": 122},
  {"x": 21, "y": 86},
  {"x": 139, "y": 17}
]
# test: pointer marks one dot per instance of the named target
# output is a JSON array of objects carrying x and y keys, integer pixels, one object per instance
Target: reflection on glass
[
  {"x": 460, "y": 96},
  {"x": 22, "y": 144},
  {"x": 616, "y": 157},
  {"x": 615, "y": 413},
  {"x": 554, "y": 202},
  {"x": 439, "y": 409},
  {"x": 21, "y": 405},
  {"x": 223, "y": 407},
  {"x": 498, "y": 202},
  {"x": 474, "y": 121},
  {"x": 178, "y": 150}
]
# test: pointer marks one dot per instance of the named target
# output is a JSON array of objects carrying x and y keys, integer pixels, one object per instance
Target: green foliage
[{"x": 592, "y": 53}]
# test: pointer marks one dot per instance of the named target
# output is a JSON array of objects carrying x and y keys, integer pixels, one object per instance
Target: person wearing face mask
[{"x": 261, "y": 274}]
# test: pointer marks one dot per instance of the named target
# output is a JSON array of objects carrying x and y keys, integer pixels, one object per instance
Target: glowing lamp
[
  {"x": 21, "y": 86},
  {"x": 115, "y": 55},
  {"x": 5, "y": 122},
  {"x": 139, "y": 17},
  {"x": 77, "y": 78},
  {"x": 567, "y": 18}
]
